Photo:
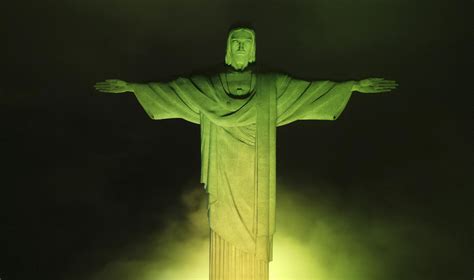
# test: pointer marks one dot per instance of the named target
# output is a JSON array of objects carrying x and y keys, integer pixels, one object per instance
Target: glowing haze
[{"x": 317, "y": 238}]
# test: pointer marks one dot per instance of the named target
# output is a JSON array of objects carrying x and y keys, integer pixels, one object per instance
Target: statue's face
[{"x": 241, "y": 43}]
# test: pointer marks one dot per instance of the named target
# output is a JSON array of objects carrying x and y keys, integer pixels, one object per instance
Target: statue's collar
[{"x": 250, "y": 68}]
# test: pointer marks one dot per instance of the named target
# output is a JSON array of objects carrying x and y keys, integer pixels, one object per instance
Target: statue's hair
[{"x": 228, "y": 55}]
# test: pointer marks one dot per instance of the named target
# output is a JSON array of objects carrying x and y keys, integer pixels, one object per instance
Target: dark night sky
[{"x": 86, "y": 174}]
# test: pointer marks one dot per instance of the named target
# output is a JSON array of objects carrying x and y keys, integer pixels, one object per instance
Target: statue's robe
[{"x": 238, "y": 154}]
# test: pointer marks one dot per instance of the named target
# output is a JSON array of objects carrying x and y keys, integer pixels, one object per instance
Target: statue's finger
[
  {"x": 387, "y": 84},
  {"x": 105, "y": 89},
  {"x": 380, "y": 90},
  {"x": 105, "y": 83},
  {"x": 385, "y": 88}
]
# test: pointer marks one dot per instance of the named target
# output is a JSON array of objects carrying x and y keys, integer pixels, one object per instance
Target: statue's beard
[{"x": 240, "y": 63}]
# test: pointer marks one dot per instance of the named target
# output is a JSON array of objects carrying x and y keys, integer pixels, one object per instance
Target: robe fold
[{"x": 238, "y": 144}]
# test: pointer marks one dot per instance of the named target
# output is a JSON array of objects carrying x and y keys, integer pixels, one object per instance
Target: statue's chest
[{"x": 239, "y": 83}]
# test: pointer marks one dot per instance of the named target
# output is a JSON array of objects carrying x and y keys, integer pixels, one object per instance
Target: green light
[{"x": 314, "y": 241}]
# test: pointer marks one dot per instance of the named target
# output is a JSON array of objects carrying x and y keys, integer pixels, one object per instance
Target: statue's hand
[
  {"x": 374, "y": 85},
  {"x": 113, "y": 86}
]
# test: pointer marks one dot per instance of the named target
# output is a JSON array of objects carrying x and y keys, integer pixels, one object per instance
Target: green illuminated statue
[{"x": 238, "y": 111}]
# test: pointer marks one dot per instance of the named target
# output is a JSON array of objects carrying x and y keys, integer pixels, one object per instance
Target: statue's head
[{"x": 240, "y": 48}]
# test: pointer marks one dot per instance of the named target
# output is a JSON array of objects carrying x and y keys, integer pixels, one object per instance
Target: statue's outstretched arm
[
  {"x": 374, "y": 85},
  {"x": 114, "y": 86},
  {"x": 160, "y": 100}
]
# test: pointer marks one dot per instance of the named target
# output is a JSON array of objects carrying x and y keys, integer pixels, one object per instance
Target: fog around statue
[{"x": 238, "y": 111}]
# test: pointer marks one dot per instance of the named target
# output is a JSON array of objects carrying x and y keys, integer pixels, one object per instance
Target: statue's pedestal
[{"x": 229, "y": 263}]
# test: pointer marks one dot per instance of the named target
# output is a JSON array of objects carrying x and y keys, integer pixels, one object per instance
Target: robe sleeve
[
  {"x": 304, "y": 100},
  {"x": 177, "y": 99}
]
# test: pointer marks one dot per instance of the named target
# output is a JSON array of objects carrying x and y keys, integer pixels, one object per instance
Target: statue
[{"x": 238, "y": 111}]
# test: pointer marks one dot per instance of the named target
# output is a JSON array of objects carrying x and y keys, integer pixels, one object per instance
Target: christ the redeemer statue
[{"x": 238, "y": 111}]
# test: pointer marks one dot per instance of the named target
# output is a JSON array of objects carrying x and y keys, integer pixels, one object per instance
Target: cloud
[{"x": 318, "y": 237}]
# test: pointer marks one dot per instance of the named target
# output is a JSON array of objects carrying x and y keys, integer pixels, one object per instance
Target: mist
[{"x": 319, "y": 236}]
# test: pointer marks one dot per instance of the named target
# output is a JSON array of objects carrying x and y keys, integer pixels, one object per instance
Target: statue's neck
[
  {"x": 239, "y": 67},
  {"x": 249, "y": 68}
]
